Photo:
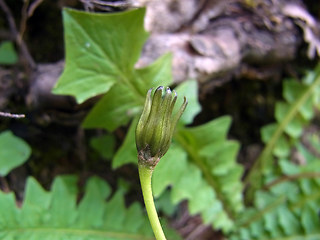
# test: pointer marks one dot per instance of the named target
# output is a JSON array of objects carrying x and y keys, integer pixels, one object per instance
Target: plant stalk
[{"x": 145, "y": 175}]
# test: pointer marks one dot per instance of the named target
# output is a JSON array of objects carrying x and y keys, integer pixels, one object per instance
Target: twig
[
  {"x": 17, "y": 36},
  {"x": 33, "y": 7},
  {"x": 292, "y": 178},
  {"x": 4, "y": 185},
  {"x": 200, "y": 229},
  {"x": 11, "y": 115},
  {"x": 105, "y": 5},
  {"x": 24, "y": 18}
]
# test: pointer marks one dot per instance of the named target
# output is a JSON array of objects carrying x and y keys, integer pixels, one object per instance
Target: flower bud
[{"x": 156, "y": 125}]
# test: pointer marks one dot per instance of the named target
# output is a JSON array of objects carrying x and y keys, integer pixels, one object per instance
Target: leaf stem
[{"x": 145, "y": 175}]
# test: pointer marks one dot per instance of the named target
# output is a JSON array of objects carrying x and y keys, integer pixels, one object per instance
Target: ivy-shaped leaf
[
  {"x": 101, "y": 50},
  {"x": 13, "y": 152},
  {"x": 56, "y": 214}
]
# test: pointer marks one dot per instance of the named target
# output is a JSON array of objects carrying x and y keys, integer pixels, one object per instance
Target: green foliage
[
  {"x": 13, "y": 152},
  {"x": 125, "y": 88},
  {"x": 100, "y": 58},
  {"x": 287, "y": 206},
  {"x": 56, "y": 214},
  {"x": 8, "y": 54},
  {"x": 201, "y": 168},
  {"x": 292, "y": 116},
  {"x": 289, "y": 210},
  {"x": 104, "y": 144}
]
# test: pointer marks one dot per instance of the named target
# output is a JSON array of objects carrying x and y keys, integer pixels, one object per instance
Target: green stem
[{"x": 145, "y": 175}]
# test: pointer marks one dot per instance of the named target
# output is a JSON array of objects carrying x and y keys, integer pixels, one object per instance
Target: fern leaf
[
  {"x": 55, "y": 215},
  {"x": 289, "y": 208},
  {"x": 292, "y": 116},
  {"x": 201, "y": 168}
]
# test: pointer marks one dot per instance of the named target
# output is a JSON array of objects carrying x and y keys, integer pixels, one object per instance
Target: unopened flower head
[{"x": 156, "y": 125}]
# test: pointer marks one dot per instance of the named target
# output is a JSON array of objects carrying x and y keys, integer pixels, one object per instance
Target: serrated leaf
[
  {"x": 14, "y": 151},
  {"x": 208, "y": 133},
  {"x": 208, "y": 169},
  {"x": 57, "y": 215},
  {"x": 63, "y": 187},
  {"x": 91, "y": 209},
  {"x": 165, "y": 174},
  {"x": 289, "y": 210},
  {"x": 292, "y": 116},
  {"x": 100, "y": 49},
  {"x": 35, "y": 203}
]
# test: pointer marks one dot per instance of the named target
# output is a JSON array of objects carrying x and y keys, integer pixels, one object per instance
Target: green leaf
[
  {"x": 207, "y": 133},
  {"x": 295, "y": 127},
  {"x": 8, "y": 54},
  {"x": 121, "y": 103},
  {"x": 165, "y": 174},
  {"x": 127, "y": 153},
  {"x": 189, "y": 89},
  {"x": 310, "y": 219},
  {"x": 65, "y": 187},
  {"x": 289, "y": 209},
  {"x": 116, "y": 108},
  {"x": 292, "y": 116},
  {"x": 203, "y": 161},
  {"x": 56, "y": 215},
  {"x": 13, "y": 152},
  {"x": 104, "y": 145},
  {"x": 100, "y": 50}
]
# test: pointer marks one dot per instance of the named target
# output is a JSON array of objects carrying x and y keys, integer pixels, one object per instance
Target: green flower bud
[{"x": 156, "y": 126}]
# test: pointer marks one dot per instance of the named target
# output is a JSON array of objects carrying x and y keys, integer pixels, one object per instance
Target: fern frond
[
  {"x": 288, "y": 208},
  {"x": 202, "y": 169},
  {"x": 292, "y": 115},
  {"x": 55, "y": 215}
]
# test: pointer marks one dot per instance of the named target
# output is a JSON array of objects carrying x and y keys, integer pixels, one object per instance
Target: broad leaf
[
  {"x": 13, "y": 152},
  {"x": 100, "y": 50},
  {"x": 125, "y": 99}
]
